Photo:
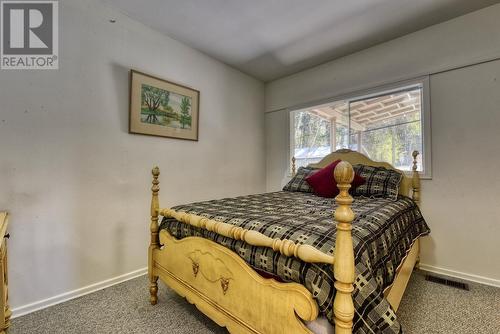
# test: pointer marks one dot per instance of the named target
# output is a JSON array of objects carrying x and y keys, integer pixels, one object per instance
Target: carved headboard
[{"x": 410, "y": 185}]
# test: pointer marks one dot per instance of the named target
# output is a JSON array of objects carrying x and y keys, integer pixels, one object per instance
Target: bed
[{"x": 263, "y": 263}]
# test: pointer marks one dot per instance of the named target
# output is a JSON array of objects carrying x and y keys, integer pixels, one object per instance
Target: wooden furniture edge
[
  {"x": 4, "y": 223},
  {"x": 5, "y": 312},
  {"x": 394, "y": 292}
]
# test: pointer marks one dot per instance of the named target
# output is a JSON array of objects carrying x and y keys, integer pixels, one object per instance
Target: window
[{"x": 386, "y": 125}]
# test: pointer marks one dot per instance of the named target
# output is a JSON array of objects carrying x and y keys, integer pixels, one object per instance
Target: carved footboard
[{"x": 227, "y": 290}]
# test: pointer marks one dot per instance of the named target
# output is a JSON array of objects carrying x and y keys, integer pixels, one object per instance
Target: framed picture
[{"x": 163, "y": 108}]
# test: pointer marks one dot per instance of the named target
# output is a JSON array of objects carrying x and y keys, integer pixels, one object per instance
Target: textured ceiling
[{"x": 269, "y": 39}]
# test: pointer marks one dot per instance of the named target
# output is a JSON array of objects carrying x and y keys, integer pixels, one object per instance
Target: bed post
[
  {"x": 415, "y": 180},
  {"x": 155, "y": 243},
  {"x": 293, "y": 166},
  {"x": 343, "y": 269},
  {"x": 415, "y": 184}
]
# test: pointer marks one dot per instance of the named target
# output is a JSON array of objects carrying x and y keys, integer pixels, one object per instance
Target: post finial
[
  {"x": 155, "y": 171},
  {"x": 293, "y": 166},
  {"x": 155, "y": 188},
  {"x": 344, "y": 268},
  {"x": 414, "y": 155},
  {"x": 343, "y": 173}
]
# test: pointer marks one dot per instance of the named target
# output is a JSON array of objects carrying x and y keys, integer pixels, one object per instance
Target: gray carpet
[{"x": 426, "y": 308}]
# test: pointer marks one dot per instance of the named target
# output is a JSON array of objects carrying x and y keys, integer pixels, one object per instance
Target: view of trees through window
[
  {"x": 311, "y": 130},
  {"x": 385, "y": 128}
]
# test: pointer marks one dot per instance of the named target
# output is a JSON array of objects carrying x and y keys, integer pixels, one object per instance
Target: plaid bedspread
[{"x": 383, "y": 232}]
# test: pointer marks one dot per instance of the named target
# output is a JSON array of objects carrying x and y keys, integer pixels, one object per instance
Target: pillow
[
  {"x": 298, "y": 182},
  {"x": 380, "y": 182},
  {"x": 323, "y": 182}
]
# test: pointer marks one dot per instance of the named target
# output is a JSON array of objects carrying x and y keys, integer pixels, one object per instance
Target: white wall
[
  {"x": 78, "y": 184},
  {"x": 461, "y": 202}
]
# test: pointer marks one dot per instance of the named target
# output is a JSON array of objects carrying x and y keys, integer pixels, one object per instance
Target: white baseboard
[
  {"x": 41, "y": 304},
  {"x": 460, "y": 275}
]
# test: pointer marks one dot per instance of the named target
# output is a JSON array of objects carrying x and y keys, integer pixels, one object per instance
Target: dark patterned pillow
[
  {"x": 298, "y": 182},
  {"x": 380, "y": 182}
]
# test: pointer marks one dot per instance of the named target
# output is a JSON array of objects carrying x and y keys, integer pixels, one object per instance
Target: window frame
[{"x": 425, "y": 120}]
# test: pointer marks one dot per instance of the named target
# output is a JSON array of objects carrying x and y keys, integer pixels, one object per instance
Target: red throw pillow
[{"x": 323, "y": 182}]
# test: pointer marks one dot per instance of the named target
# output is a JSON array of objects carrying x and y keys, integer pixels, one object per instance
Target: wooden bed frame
[{"x": 230, "y": 292}]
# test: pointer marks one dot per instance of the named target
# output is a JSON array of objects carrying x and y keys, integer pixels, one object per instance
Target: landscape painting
[
  {"x": 162, "y": 108},
  {"x": 165, "y": 108}
]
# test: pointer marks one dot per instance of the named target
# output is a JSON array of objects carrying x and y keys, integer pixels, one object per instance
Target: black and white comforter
[{"x": 383, "y": 232}]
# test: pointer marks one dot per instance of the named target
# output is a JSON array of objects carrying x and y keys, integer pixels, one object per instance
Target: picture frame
[{"x": 159, "y": 107}]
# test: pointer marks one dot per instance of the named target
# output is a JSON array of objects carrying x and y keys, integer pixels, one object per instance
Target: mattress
[{"x": 383, "y": 231}]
